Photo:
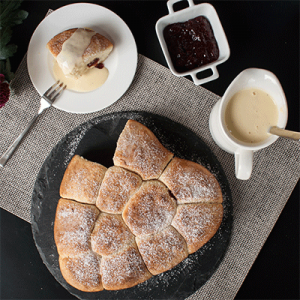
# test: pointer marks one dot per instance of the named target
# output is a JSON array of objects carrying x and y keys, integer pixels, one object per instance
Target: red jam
[
  {"x": 191, "y": 44},
  {"x": 95, "y": 64}
]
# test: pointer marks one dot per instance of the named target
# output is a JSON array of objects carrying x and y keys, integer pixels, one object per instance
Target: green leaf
[
  {"x": 9, "y": 13},
  {"x": 5, "y": 35},
  {"x": 7, "y": 51},
  {"x": 10, "y": 75},
  {"x": 5, "y": 70},
  {"x": 9, "y": 5},
  {"x": 17, "y": 17}
]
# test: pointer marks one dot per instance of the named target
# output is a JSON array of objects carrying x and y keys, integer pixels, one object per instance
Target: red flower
[{"x": 4, "y": 91}]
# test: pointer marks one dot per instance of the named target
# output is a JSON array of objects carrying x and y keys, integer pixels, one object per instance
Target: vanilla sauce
[
  {"x": 89, "y": 81},
  {"x": 71, "y": 56},
  {"x": 249, "y": 114}
]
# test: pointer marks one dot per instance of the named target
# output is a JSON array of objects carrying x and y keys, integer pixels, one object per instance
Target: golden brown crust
[
  {"x": 55, "y": 44},
  {"x": 162, "y": 251},
  {"x": 73, "y": 225},
  {"x": 82, "y": 272},
  {"x": 123, "y": 270},
  {"x": 75, "y": 64},
  {"x": 82, "y": 180},
  {"x": 98, "y": 43},
  {"x": 117, "y": 187},
  {"x": 110, "y": 234},
  {"x": 140, "y": 151},
  {"x": 198, "y": 223},
  {"x": 190, "y": 182},
  {"x": 143, "y": 233},
  {"x": 150, "y": 209}
]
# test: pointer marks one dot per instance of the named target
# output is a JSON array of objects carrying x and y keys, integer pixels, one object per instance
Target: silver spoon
[{"x": 285, "y": 133}]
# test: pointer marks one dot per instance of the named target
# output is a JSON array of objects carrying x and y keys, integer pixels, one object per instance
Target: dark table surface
[{"x": 262, "y": 34}]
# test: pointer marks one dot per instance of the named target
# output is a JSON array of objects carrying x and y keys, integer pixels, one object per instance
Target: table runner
[{"x": 257, "y": 202}]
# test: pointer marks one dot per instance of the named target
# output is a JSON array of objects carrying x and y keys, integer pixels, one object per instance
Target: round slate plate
[{"x": 96, "y": 141}]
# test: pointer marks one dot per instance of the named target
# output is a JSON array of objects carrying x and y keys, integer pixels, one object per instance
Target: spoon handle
[{"x": 285, "y": 133}]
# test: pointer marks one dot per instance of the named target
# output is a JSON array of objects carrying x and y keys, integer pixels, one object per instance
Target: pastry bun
[
  {"x": 95, "y": 53},
  {"x": 137, "y": 219}
]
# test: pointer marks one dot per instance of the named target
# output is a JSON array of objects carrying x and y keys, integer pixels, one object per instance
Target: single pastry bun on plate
[{"x": 79, "y": 49}]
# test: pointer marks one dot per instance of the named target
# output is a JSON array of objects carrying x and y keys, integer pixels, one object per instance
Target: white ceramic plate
[{"x": 121, "y": 63}]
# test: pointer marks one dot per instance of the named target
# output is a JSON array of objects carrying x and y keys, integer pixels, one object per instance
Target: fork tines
[{"x": 54, "y": 91}]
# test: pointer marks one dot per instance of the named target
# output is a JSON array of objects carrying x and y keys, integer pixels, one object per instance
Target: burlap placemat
[{"x": 257, "y": 202}]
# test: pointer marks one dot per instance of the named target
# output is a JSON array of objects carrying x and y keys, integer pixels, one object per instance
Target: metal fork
[{"x": 46, "y": 101}]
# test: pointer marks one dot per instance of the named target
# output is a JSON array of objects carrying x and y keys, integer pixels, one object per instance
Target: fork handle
[{"x": 8, "y": 153}]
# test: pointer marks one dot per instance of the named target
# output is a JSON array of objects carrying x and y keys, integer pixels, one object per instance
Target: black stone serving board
[{"x": 96, "y": 140}]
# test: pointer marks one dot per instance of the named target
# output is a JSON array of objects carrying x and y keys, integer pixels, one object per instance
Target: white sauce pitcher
[{"x": 243, "y": 152}]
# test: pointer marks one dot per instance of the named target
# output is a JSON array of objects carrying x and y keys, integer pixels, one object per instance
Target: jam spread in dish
[{"x": 191, "y": 44}]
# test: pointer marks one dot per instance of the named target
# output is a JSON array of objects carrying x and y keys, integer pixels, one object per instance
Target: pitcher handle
[{"x": 243, "y": 163}]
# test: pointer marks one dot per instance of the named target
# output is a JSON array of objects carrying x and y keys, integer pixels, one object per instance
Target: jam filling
[
  {"x": 191, "y": 44},
  {"x": 95, "y": 64},
  {"x": 99, "y": 66}
]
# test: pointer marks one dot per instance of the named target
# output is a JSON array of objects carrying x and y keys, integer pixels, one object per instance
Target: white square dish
[{"x": 193, "y": 11}]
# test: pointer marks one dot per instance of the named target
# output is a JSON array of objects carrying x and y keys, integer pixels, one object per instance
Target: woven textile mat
[{"x": 257, "y": 202}]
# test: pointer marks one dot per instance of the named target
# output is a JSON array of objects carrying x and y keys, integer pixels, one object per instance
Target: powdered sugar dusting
[
  {"x": 150, "y": 209},
  {"x": 82, "y": 180},
  {"x": 123, "y": 270},
  {"x": 197, "y": 223},
  {"x": 110, "y": 234},
  {"x": 164, "y": 280},
  {"x": 190, "y": 182},
  {"x": 74, "y": 222},
  {"x": 140, "y": 151},
  {"x": 117, "y": 187},
  {"x": 75, "y": 139},
  {"x": 85, "y": 269},
  {"x": 162, "y": 251}
]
